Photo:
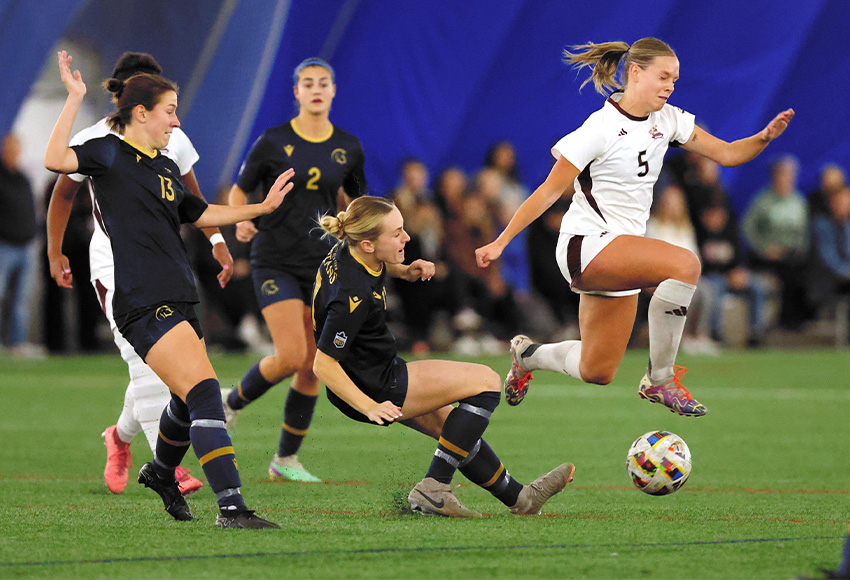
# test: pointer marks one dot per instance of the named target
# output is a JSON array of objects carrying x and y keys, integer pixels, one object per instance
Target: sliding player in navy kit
[
  {"x": 287, "y": 248},
  {"x": 369, "y": 382},
  {"x": 142, "y": 202}
]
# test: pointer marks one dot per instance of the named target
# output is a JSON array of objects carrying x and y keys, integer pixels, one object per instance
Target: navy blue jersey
[
  {"x": 142, "y": 202},
  {"x": 289, "y": 237},
  {"x": 350, "y": 319}
]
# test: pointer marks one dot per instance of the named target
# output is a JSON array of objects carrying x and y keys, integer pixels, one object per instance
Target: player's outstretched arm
[
  {"x": 329, "y": 371},
  {"x": 559, "y": 181},
  {"x": 740, "y": 151},
  {"x": 416, "y": 270},
  {"x": 58, "y": 156},
  {"x": 222, "y": 215}
]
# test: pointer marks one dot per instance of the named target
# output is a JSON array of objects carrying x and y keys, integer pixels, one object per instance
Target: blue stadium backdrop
[{"x": 441, "y": 80}]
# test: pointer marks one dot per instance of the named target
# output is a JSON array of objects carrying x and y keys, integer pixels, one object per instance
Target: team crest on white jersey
[
  {"x": 656, "y": 134},
  {"x": 339, "y": 339}
]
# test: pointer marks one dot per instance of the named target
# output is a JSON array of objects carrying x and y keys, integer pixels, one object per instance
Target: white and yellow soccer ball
[{"x": 659, "y": 462}]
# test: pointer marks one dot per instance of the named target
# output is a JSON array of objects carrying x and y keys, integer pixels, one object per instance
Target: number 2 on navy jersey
[
  {"x": 167, "y": 190},
  {"x": 643, "y": 164},
  {"x": 315, "y": 175}
]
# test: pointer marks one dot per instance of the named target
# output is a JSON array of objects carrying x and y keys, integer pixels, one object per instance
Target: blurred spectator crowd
[{"x": 780, "y": 268}]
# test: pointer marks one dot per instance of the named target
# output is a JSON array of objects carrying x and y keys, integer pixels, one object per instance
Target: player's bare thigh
[
  {"x": 432, "y": 384},
  {"x": 180, "y": 359},
  {"x": 431, "y": 424},
  {"x": 605, "y": 323},
  {"x": 632, "y": 262}
]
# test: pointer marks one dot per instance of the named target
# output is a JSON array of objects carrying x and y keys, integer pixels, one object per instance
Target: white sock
[
  {"x": 667, "y": 310},
  {"x": 561, "y": 357}
]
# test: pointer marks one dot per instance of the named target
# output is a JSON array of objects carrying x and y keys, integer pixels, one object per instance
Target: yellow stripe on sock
[
  {"x": 172, "y": 442},
  {"x": 453, "y": 448},
  {"x": 239, "y": 392},
  {"x": 496, "y": 477},
  {"x": 294, "y": 431},
  {"x": 216, "y": 453}
]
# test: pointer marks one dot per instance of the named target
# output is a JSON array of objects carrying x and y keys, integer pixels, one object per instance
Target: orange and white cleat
[
  {"x": 185, "y": 482},
  {"x": 516, "y": 383}
]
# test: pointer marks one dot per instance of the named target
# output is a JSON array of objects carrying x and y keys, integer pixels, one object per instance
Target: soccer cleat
[
  {"x": 187, "y": 484},
  {"x": 429, "y": 496},
  {"x": 290, "y": 469},
  {"x": 533, "y": 496},
  {"x": 672, "y": 395},
  {"x": 229, "y": 413},
  {"x": 516, "y": 383},
  {"x": 175, "y": 503},
  {"x": 245, "y": 519},
  {"x": 118, "y": 460}
]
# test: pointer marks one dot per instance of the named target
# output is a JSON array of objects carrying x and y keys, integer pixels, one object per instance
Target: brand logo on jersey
[
  {"x": 138, "y": 157},
  {"x": 376, "y": 295},
  {"x": 167, "y": 169},
  {"x": 656, "y": 134},
  {"x": 339, "y": 339},
  {"x": 269, "y": 287},
  {"x": 353, "y": 302},
  {"x": 622, "y": 132},
  {"x": 339, "y": 155},
  {"x": 289, "y": 149},
  {"x": 163, "y": 312}
]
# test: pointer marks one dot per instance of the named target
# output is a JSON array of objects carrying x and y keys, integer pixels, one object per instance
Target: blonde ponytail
[{"x": 604, "y": 60}]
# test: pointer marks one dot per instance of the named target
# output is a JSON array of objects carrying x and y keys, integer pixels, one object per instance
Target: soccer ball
[{"x": 659, "y": 462}]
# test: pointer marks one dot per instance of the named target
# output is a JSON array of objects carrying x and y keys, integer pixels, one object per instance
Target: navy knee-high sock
[
  {"x": 252, "y": 386},
  {"x": 463, "y": 428},
  {"x": 212, "y": 444},
  {"x": 484, "y": 468},
  {"x": 297, "y": 415},
  {"x": 173, "y": 439}
]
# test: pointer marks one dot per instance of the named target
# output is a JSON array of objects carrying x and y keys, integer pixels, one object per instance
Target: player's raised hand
[
  {"x": 278, "y": 191},
  {"x": 778, "y": 125},
  {"x": 486, "y": 254},
  {"x": 385, "y": 412},
  {"x": 73, "y": 81}
]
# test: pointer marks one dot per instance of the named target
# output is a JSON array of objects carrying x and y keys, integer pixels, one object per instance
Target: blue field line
[{"x": 407, "y": 551}]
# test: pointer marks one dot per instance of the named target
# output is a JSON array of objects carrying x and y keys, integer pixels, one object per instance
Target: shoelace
[{"x": 681, "y": 391}]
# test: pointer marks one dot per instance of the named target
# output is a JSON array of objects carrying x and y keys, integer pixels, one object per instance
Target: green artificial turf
[{"x": 767, "y": 498}]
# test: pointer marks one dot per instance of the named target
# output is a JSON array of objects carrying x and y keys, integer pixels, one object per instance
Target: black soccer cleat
[
  {"x": 175, "y": 503},
  {"x": 245, "y": 519}
]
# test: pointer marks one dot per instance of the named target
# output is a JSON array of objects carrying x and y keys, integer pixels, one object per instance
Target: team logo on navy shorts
[
  {"x": 163, "y": 312},
  {"x": 339, "y": 156},
  {"x": 269, "y": 287},
  {"x": 339, "y": 339}
]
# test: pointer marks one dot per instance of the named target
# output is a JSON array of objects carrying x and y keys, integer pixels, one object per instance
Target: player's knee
[
  {"x": 283, "y": 364},
  {"x": 491, "y": 381},
  {"x": 688, "y": 268},
  {"x": 601, "y": 375}
]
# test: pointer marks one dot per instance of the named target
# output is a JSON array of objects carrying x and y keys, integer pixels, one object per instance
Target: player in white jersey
[
  {"x": 146, "y": 394},
  {"x": 611, "y": 164}
]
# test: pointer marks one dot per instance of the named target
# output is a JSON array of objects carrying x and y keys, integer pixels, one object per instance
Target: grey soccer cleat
[
  {"x": 429, "y": 496},
  {"x": 533, "y": 496},
  {"x": 168, "y": 490}
]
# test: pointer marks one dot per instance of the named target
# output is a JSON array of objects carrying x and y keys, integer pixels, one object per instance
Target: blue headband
[{"x": 313, "y": 62}]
